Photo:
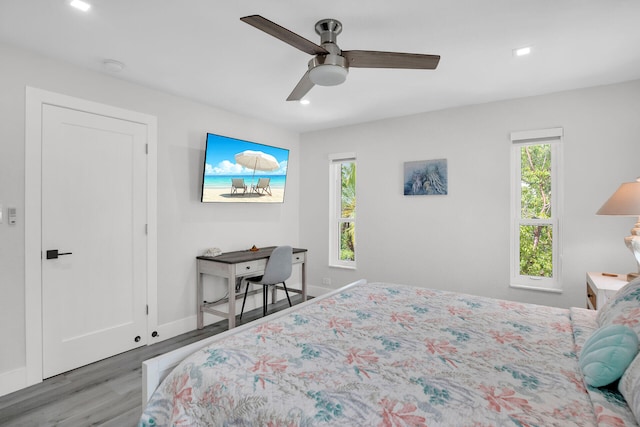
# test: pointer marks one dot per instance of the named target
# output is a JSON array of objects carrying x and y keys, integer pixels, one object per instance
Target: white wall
[
  {"x": 461, "y": 241},
  {"x": 185, "y": 226}
]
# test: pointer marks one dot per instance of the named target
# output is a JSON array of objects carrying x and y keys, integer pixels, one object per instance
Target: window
[
  {"x": 535, "y": 195},
  {"x": 342, "y": 234}
]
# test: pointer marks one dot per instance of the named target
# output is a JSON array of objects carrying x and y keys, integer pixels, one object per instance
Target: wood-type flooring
[{"x": 105, "y": 393}]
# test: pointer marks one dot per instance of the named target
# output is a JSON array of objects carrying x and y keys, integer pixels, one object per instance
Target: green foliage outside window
[
  {"x": 536, "y": 250},
  {"x": 536, "y": 240},
  {"x": 348, "y": 210}
]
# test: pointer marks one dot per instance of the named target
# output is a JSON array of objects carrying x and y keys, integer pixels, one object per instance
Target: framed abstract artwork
[{"x": 426, "y": 178}]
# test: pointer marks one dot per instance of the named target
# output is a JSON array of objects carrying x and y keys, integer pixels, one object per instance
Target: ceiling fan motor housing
[{"x": 330, "y": 69}]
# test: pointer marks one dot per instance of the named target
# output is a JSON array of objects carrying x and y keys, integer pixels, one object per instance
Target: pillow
[
  {"x": 629, "y": 387},
  {"x": 623, "y": 308},
  {"x": 607, "y": 353}
]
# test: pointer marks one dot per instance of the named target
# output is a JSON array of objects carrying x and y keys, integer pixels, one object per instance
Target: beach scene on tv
[{"x": 243, "y": 171}]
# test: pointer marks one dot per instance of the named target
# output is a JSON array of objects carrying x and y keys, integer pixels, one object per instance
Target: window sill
[
  {"x": 536, "y": 288},
  {"x": 345, "y": 267}
]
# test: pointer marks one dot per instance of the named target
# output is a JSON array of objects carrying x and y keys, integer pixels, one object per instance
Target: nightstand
[{"x": 601, "y": 287}]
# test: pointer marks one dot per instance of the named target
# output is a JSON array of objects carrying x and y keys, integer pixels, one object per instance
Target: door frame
[{"x": 34, "y": 100}]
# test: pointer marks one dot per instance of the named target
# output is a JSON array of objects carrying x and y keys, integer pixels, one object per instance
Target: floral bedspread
[{"x": 386, "y": 355}]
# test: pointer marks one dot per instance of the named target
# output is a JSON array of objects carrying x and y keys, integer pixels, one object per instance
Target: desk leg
[
  {"x": 304, "y": 281},
  {"x": 199, "y": 296},
  {"x": 232, "y": 297}
]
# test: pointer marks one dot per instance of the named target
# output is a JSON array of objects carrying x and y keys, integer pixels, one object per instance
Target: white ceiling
[{"x": 201, "y": 50}]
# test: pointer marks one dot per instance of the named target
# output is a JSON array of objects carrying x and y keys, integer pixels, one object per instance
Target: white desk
[{"x": 233, "y": 265}]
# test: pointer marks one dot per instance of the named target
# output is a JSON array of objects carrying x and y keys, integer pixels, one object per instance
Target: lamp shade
[{"x": 625, "y": 201}]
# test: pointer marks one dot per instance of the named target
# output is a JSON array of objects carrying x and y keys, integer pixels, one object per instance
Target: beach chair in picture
[
  {"x": 238, "y": 184},
  {"x": 262, "y": 186}
]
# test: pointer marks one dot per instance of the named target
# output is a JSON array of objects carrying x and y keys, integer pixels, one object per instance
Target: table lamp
[{"x": 626, "y": 202}]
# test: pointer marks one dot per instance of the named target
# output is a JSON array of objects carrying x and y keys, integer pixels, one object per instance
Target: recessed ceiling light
[
  {"x": 79, "y": 4},
  {"x": 522, "y": 51},
  {"x": 305, "y": 102}
]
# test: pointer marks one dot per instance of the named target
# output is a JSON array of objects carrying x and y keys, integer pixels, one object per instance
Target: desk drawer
[
  {"x": 258, "y": 265},
  {"x": 250, "y": 267}
]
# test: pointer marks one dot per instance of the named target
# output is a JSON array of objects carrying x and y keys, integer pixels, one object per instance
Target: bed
[{"x": 380, "y": 354}]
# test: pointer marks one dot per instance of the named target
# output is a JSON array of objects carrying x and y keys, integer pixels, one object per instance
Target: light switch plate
[{"x": 11, "y": 214}]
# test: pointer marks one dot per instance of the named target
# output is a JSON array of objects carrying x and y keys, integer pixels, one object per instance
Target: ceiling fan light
[{"x": 328, "y": 75}]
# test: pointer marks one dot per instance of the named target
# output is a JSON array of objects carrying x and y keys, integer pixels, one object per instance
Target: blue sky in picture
[{"x": 221, "y": 151}]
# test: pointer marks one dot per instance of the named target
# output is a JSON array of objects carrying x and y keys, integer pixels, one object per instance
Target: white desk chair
[{"x": 277, "y": 270}]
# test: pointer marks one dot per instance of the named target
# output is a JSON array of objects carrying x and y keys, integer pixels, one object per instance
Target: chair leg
[
  {"x": 287, "y": 293},
  {"x": 244, "y": 300},
  {"x": 265, "y": 299}
]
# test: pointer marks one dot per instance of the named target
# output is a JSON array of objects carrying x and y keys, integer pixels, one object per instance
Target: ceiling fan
[{"x": 330, "y": 65}]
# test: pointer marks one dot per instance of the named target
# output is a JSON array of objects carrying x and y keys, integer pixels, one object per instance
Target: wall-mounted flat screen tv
[{"x": 242, "y": 171}]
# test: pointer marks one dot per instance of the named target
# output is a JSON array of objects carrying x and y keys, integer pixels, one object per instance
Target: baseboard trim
[
  {"x": 14, "y": 380},
  {"x": 316, "y": 291},
  {"x": 175, "y": 328}
]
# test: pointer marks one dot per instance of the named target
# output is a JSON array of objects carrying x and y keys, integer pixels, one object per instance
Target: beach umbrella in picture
[{"x": 257, "y": 160}]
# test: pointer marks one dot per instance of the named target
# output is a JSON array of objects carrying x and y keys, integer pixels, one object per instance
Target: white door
[{"x": 94, "y": 202}]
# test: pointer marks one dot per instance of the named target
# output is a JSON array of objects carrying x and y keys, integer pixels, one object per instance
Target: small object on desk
[
  {"x": 610, "y": 274},
  {"x": 211, "y": 252},
  {"x": 254, "y": 248}
]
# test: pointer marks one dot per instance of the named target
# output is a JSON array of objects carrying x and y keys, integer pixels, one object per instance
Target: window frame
[
  {"x": 335, "y": 209},
  {"x": 553, "y": 137}
]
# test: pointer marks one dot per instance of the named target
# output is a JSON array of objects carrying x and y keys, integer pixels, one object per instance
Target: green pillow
[{"x": 607, "y": 354}]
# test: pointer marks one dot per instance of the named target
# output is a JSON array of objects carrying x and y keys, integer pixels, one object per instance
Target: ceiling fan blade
[
  {"x": 375, "y": 59},
  {"x": 285, "y": 35},
  {"x": 302, "y": 88}
]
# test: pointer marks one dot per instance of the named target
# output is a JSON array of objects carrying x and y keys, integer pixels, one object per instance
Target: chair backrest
[
  {"x": 279, "y": 265},
  {"x": 237, "y": 182},
  {"x": 263, "y": 182}
]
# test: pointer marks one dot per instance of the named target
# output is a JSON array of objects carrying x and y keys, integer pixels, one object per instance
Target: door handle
[{"x": 54, "y": 254}]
